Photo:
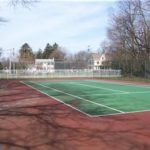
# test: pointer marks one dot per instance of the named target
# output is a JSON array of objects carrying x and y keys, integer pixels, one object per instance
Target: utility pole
[
  {"x": 11, "y": 55},
  {"x": 89, "y": 59},
  {"x": 9, "y": 63}
]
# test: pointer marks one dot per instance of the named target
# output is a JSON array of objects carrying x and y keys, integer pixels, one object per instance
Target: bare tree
[
  {"x": 129, "y": 34},
  {"x": 25, "y": 3},
  {"x": 14, "y": 3}
]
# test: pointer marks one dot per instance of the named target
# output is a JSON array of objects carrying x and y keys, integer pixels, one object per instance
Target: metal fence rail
[{"x": 63, "y": 73}]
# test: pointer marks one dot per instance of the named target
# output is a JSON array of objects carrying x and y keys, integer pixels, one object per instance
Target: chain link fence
[
  {"x": 133, "y": 68},
  {"x": 61, "y": 69},
  {"x": 65, "y": 73},
  {"x": 77, "y": 69}
]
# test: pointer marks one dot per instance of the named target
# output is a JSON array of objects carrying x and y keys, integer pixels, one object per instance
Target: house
[
  {"x": 45, "y": 64},
  {"x": 98, "y": 61}
]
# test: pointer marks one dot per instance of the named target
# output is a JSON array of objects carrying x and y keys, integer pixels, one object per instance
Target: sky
[{"x": 73, "y": 24}]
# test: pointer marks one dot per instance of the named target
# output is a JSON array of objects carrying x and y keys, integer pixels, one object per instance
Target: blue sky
[{"x": 72, "y": 24}]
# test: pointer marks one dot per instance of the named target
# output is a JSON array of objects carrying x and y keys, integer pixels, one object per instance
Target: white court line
[
  {"x": 80, "y": 98},
  {"x": 57, "y": 99},
  {"x": 93, "y": 116},
  {"x": 118, "y": 93},
  {"x": 98, "y": 87},
  {"x": 121, "y": 83},
  {"x": 115, "y": 114}
]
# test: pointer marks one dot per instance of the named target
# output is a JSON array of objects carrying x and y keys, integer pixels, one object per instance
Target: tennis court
[{"x": 96, "y": 98}]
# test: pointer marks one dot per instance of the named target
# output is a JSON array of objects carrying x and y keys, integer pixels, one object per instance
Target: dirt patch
[
  {"x": 75, "y": 103},
  {"x": 34, "y": 121}
]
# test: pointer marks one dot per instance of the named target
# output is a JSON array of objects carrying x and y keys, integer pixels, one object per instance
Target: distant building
[
  {"x": 45, "y": 64},
  {"x": 98, "y": 61}
]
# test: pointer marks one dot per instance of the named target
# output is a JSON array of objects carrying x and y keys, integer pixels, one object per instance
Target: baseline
[
  {"x": 98, "y": 87},
  {"x": 121, "y": 83},
  {"x": 81, "y": 98},
  {"x": 118, "y": 93}
]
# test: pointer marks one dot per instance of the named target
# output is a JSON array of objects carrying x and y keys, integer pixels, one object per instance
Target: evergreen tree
[
  {"x": 57, "y": 52},
  {"x": 26, "y": 54},
  {"x": 55, "y": 46},
  {"x": 39, "y": 54},
  {"x": 47, "y": 51},
  {"x": 0, "y": 52},
  {"x": 1, "y": 66}
]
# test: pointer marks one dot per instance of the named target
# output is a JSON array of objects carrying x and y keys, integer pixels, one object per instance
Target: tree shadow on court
[{"x": 32, "y": 121}]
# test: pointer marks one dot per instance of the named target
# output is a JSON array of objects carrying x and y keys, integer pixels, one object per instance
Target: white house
[
  {"x": 45, "y": 64},
  {"x": 97, "y": 60}
]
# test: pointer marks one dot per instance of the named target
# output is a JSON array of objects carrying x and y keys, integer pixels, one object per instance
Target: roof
[
  {"x": 44, "y": 60},
  {"x": 96, "y": 56}
]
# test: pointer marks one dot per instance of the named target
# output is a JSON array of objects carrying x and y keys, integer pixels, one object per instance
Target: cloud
[
  {"x": 81, "y": 0},
  {"x": 72, "y": 24}
]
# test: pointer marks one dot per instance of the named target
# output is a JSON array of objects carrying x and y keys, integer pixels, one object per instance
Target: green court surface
[{"x": 96, "y": 98}]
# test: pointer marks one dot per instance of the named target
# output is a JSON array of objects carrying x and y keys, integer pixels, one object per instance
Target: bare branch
[{"x": 24, "y": 3}]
